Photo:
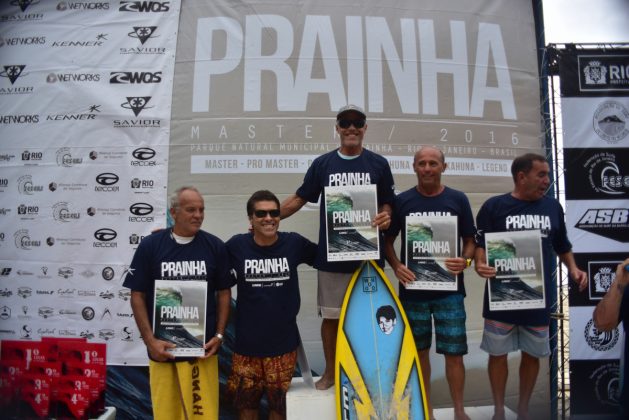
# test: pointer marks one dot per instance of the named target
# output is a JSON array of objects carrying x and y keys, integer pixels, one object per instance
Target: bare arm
[
  {"x": 480, "y": 264},
  {"x": 456, "y": 265},
  {"x": 607, "y": 313},
  {"x": 401, "y": 271},
  {"x": 223, "y": 302},
  {"x": 383, "y": 218},
  {"x": 291, "y": 205},
  {"x": 577, "y": 275},
  {"x": 156, "y": 348}
]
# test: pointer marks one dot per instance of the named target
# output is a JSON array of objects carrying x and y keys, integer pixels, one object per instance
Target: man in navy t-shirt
[
  {"x": 526, "y": 208},
  {"x": 350, "y": 164},
  {"x": 267, "y": 304},
  {"x": 611, "y": 311},
  {"x": 183, "y": 252},
  {"x": 431, "y": 198}
]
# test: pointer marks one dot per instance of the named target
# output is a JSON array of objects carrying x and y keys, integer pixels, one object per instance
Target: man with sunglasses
[
  {"x": 265, "y": 352},
  {"x": 350, "y": 164}
]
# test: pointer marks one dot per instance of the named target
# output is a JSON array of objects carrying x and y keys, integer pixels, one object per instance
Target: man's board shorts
[
  {"x": 252, "y": 376},
  {"x": 184, "y": 390},
  {"x": 449, "y": 317},
  {"x": 500, "y": 338},
  {"x": 331, "y": 288}
]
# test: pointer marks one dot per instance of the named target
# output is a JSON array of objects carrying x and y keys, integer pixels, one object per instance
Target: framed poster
[
  {"x": 519, "y": 281},
  {"x": 349, "y": 212},
  {"x": 429, "y": 241},
  {"x": 179, "y": 315}
]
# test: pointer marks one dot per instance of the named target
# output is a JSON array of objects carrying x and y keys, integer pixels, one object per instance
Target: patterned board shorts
[
  {"x": 500, "y": 338},
  {"x": 251, "y": 376},
  {"x": 449, "y": 316}
]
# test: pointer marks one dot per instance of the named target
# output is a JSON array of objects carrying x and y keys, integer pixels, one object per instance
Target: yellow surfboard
[{"x": 377, "y": 372}]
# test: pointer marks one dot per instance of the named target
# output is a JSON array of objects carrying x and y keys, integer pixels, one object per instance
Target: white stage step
[{"x": 306, "y": 403}]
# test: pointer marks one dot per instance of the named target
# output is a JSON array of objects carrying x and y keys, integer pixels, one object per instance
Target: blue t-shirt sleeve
[
  {"x": 467, "y": 218},
  {"x": 311, "y": 188},
  {"x": 138, "y": 275},
  {"x": 224, "y": 279},
  {"x": 386, "y": 186},
  {"x": 483, "y": 223},
  {"x": 308, "y": 251},
  {"x": 561, "y": 243}
]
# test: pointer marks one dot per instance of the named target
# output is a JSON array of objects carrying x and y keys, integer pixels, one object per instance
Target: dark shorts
[
  {"x": 449, "y": 317},
  {"x": 252, "y": 376}
]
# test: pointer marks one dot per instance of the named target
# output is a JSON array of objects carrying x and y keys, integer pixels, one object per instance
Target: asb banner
[{"x": 595, "y": 112}]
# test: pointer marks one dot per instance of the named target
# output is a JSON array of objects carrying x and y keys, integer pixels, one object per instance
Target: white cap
[{"x": 350, "y": 107}]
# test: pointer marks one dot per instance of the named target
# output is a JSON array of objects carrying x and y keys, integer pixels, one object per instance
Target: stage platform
[{"x": 305, "y": 403}]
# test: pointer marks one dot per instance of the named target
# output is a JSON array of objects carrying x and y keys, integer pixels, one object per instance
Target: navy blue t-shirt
[
  {"x": 160, "y": 257},
  {"x": 332, "y": 170},
  {"x": 450, "y": 202},
  {"x": 268, "y": 297},
  {"x": 507, "y": 213}
]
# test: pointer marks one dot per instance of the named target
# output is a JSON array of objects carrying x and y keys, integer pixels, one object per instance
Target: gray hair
[{"x": 174, "y": 197}]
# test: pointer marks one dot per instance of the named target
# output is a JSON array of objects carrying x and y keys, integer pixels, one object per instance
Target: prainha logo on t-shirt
[
  {"x": 267, "y": 270},
  {"x": 528, "y": 221},
  {"x": 176, "y": 269},
  {"x": 430, "y": 213},
  {"x": 349, "y": 178}
]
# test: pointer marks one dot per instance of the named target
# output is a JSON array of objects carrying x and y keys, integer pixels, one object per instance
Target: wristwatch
[
  {"x": 219, "y": 336},
  {"x": 468, "y": 262}
]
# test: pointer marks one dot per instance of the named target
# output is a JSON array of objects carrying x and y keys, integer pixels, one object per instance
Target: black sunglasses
[
  {"x": 346, "y": 123},
  {"x": 263, "y": 213}
]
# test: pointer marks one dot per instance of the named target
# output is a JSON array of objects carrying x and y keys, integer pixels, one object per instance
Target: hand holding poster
[
  {"x": 429, "y": 241},
  {"x": 179, "y": 315},
  {"x": 349, "y": 212},
  {"x": 519, "y": 281}
]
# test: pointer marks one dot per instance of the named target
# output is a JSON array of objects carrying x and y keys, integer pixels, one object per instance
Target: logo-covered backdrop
[{"x": 595, "y": 119}]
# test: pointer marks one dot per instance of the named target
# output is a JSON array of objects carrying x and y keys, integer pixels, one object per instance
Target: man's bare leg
[
  {"x": 498, "y": 370},
  {"x": 248, "y": 414},
  {"x": 529, "y": 368},
  {"x": 455, "y": 374},
  {"x": 329, "y": 329}
]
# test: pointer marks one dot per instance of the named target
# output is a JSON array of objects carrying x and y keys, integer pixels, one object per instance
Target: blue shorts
[
  {"x": 500, "y": 338},
  {"x": 449, "y": 317}
]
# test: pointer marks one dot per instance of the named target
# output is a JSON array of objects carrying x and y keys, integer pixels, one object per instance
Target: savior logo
[{"x": 609, "y": 223}]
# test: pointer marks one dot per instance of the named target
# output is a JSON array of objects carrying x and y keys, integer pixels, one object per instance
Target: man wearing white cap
[{"x": 366, "y": 168}]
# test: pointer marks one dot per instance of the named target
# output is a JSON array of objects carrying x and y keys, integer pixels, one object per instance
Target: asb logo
[
  {"x": 144, "y": 6},
  {"x": 609, "y": 223},
  {"x": 131, "y": 77}
]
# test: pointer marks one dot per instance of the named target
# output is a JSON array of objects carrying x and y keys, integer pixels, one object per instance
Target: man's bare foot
[
  {"x": 499, "y": 415},
  {"x": 461, "y": 416},
  {"x": 324, "y": 383}
]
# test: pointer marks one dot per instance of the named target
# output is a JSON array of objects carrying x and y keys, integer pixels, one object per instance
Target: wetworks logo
[{"x": 609, "y": 223}]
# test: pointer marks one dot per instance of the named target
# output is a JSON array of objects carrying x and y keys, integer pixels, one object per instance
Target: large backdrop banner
[
  {"x": 595, "y": 119},
  {"x": 108, "y": 105}
]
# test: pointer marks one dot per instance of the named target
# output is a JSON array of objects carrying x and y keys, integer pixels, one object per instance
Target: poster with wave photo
[
  {"x": 179, "y": 315},
  {"x": 349, "y": 212},
  {"x": 429, "y": 241},
  {"x": 519, "y": 281}
]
